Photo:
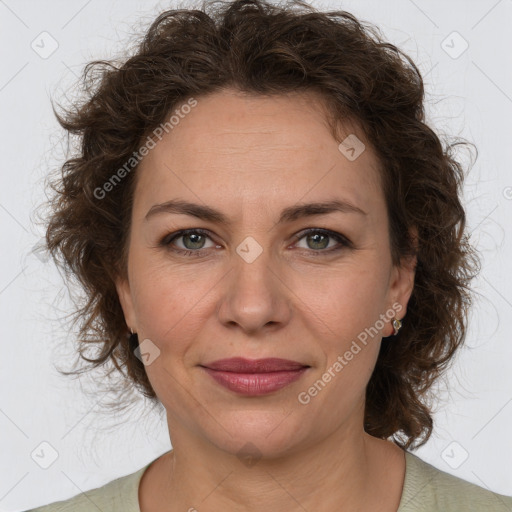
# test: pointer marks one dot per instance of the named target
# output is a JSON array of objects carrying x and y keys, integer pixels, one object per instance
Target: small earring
[
  {"x": 133, "y": 340},
  {"x": 397, "y": 325}
]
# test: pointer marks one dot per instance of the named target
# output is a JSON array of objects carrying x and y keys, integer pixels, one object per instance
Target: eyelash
[{"x": 343, "y": 241}]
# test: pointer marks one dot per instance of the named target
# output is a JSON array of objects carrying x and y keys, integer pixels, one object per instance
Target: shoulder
[
  {"x": 428, "y": 489},
  {"x": 120, "y": 495}
]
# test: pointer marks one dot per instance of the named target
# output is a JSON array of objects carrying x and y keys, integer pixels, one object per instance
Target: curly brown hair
[{"x": 263, "y": 48}]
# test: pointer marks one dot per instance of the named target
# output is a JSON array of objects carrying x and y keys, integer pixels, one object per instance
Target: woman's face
[{"x": 253, "y": 283}]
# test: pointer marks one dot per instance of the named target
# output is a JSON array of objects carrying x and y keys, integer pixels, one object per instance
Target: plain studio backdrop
[{"x": 56, "y": 440}]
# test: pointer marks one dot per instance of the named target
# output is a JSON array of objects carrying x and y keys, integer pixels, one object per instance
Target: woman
[{"x": 272, "y": 243}]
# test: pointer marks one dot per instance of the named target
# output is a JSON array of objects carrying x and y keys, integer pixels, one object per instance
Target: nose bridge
[
  {"x": 252, "y": 268},
  {"x": 254, "y": 296}
]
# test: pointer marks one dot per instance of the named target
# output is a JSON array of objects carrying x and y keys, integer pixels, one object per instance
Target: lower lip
[{"x": 255, "y": 384}]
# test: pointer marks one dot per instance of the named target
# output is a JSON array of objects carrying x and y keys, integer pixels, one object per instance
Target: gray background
[{"x": 469, "y": 95}]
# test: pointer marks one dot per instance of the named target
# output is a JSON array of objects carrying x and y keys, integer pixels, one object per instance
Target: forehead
[
  {"x": 240, "y": 144},
  {"x": 231, "y": 118}
]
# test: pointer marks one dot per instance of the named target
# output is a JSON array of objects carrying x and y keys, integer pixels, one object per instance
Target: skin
[{"x": 250, "y": 157}]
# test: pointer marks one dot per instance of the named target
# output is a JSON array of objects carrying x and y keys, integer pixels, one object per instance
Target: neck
[{"x": 347, "y": 471}]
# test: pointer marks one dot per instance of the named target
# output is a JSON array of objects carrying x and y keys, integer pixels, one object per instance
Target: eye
[
  {"x": 192, "y": 241},
  {"x": 318, "y": 240}
]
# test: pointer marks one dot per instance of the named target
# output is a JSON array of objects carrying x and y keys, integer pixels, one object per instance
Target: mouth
[{"x": 255, "y": 377}]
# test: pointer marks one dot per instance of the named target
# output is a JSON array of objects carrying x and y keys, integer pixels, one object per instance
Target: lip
[
  {"x": 267, "y": 365},
  {"x": 255, "y": 377}
]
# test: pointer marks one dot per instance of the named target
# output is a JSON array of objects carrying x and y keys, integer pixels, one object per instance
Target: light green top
[{"x": 426, "y": 489}]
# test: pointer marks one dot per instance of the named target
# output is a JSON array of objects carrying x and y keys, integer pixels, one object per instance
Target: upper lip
[{"x": 241, "y": 365}]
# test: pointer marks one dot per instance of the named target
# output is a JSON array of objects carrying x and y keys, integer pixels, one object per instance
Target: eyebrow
[{"x": 289, "y": 214}]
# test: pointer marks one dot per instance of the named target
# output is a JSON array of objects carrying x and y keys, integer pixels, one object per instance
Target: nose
[{"x": 255, "y": 297}]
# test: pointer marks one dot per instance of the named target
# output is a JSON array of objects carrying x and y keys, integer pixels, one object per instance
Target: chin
[{"x": 258, "y": 434}]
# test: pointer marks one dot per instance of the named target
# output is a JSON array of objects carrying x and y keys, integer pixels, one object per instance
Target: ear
[
  {"x": 402, "y": 283},
  {"x": 125, "y": 298}
]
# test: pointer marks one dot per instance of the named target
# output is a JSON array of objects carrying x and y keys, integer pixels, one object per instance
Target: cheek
[
  {"x": 168, "y": 309},
  {"x": 348, "y": 331},
  {"x": 346, "y": 300},
  {"x": 168, "y": 302},
  {"x": 347, "y": 340},
  {"x": 171, "y": 312}
]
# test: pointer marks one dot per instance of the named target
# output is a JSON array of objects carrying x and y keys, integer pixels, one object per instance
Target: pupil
[
  {"x": 191, "y": 236},
  {"x": 316, "y": 237}
]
